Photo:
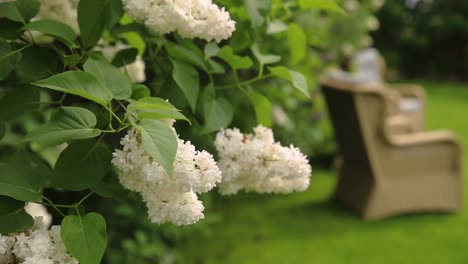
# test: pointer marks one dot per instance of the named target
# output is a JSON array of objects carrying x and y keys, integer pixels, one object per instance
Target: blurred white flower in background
[
  {"x": 190, "y": 18},
  {"x": 279, "y": 116},
  {"x": 351, "y": 5},
  {"x": 372, "y": 23},
  {"x": 347, "y": 49},
  {"x": 366, "y": 41},
  {"x": 135, "y": 70},
  {"x": 377, "y": 4}
]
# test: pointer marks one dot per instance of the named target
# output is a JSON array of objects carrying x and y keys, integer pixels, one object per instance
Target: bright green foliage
[
  {"x": 297, "y": 79},
  {"x": 218, "y": 114},
  {"x": 211, "y": 49},
  {"x": 328, "y": 5},
  {"x": 186, "y": 54},
  {"x": 19, "y": 10},
  {"x": 85, "y": 237},
  {"x": 156, "y": 108},
  {"x": 160, "y": 141},
  {"x": 140, "y": 91},
  {"x": 262, "y": 108},
  {"x": 235, "y": 61},
  {"x": 66, "y": 124},
  {"x": 81, "y": 165},
  {"x": 264, "y": 58},
  {"x": 297, "y": 43},
  {"x": 53, "y": 28},
  {"x": 257, "y": 11},
  {"x": 78, "y": 83},
  {"x": 111, "y": 76},
  {"x": 188, "y": 80}
]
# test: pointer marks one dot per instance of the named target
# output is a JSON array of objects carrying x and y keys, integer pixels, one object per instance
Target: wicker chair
[{"x": 390, "y": 166}]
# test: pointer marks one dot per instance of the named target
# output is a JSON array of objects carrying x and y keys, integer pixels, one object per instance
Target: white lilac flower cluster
[
  {"x": 190, "y": 18},
  {"x": 134, "y": 70},
  {"x": 255, "y": 162},
  {"x": 169, "y": 198},
  {"x": 36, "y": 246},
  {"x": 64, "y": 11}
]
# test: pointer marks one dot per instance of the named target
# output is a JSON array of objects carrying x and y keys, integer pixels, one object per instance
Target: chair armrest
[
  {"x": 422, "y": 138},
  {"x": 397, "y": 125},
  {"x": 425, "y": 152},
  {"x": 409, "y": 90}
]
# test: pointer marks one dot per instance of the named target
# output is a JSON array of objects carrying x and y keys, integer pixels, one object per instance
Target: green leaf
[
  {"x": 216, "y": 68},
  {"x": 2, "y": 129},
  {"x": 153, "y": 107},
  {"x": 9, "y": 58},
  {"x": 13, "y": 217},
  {"x": 19, "y": 10},
  {"x": 110, "y": 187},
  {"x": 188, "y": 80},
  {"x": 136, "y": 40},
  {"x": 326, "y": 5},
  {"x": 18, "y": 101},
  {"x": 187, "y": 55},
  {"x": 81, "y": 165},
  {"x": 264, "y": 58},
  {"x": 235, "y": 61},
  {"x": 67, "y": 123},
  {"x": 9, "y": 205},
  {"x": 218, "y": 113},
  {"x": 9, "y": 29},
  {"x": 297, "y": 42},
  {"x": 124, "y": 57},
  {"x": 262, "y": 108},
  {"x": 85, "y": 237},
  {"x": 211, "y": 49},
  {"x": 115, "y": 80},
  {"x": 22, "y": 175},
  {"x": 160, "y": 141},
  {"x": 298, "y": 80},
  {"x": 55, "y": 29},
  {"x": 78, "y": 83},
  {"x": 93, "y": 17},
  {"x": 115, "y": 13},
  {"x": 36, "y": 63},
  {"x": 258, "y": 10},
  {"x": 140, "y": 91},
  {"x": 71, "y": 60}
]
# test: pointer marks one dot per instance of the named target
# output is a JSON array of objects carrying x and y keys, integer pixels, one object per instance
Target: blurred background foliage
[{"x": 424, "y": 38}]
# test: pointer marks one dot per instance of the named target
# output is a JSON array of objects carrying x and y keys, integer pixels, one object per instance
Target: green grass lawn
[{"x": 309, "y": 228}]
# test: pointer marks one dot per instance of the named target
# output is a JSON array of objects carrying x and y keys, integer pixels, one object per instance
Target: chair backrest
[{"x": 357, "y": 115}]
